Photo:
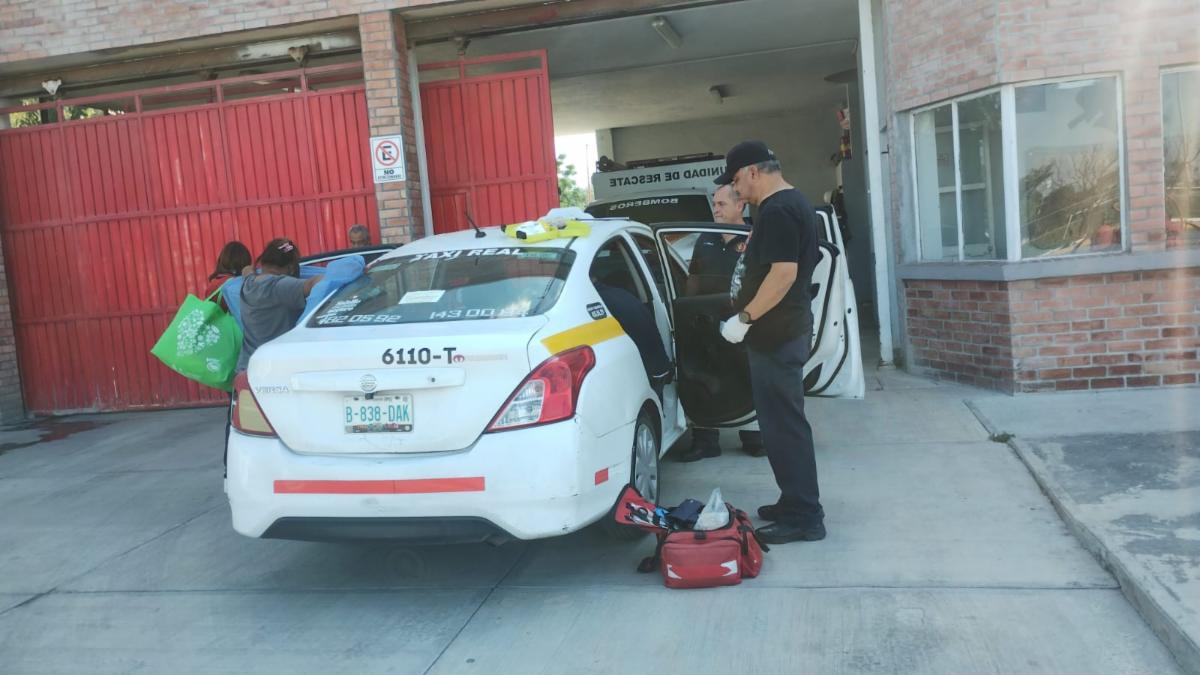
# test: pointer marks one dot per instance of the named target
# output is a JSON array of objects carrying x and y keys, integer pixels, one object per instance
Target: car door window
[
  {"x": 711, "y": 258},
  {"x": 649, "y": 253},
  {"x": 614, "y": 266}
]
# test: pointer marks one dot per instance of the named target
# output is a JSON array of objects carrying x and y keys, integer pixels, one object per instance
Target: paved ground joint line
[
  {"x": 1177, "y": 642},
  {"x": 371, "y": 590},
  {"x": 474, "y": 612},
  {"x": 109, "y": 559},
  {"x": 849, "y": 587}
]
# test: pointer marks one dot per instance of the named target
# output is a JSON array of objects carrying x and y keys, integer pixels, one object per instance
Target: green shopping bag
[{"x": 202, "y": 343}]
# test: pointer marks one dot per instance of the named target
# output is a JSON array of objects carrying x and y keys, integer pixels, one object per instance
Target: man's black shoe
[
  {"x": 782, "y": 533},
  {"x": 699, "y": 452},
  {"x": 769, "y": 512},
  {"x": 754, "y": 450}
]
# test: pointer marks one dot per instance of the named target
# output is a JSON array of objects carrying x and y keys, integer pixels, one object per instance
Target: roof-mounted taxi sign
[{"x": 562, "y": 222}]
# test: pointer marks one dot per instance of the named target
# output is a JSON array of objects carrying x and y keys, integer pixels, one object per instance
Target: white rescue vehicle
[{"x": 670, "y": 189}]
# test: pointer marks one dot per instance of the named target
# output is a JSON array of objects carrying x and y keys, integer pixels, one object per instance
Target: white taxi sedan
[{"x": 478, "y": 389}]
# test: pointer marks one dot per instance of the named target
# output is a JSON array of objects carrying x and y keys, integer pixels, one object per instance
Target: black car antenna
[{"x": 478, "y": 232}]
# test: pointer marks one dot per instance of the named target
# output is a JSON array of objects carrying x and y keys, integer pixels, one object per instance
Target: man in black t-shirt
[
  {"x": 709, "y": 272},
  {"x": 770, "y": 292}
]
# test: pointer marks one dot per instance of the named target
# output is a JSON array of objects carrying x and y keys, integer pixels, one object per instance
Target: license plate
[{"x": 362, "y": 415}]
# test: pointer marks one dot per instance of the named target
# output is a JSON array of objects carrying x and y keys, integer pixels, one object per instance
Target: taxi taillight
[
  {"x": 248, "y": 417},
  {"x": 548, "y": 394}
]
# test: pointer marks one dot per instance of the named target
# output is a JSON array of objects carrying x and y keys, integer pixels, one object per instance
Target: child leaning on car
[
  {"x": 272, "y": 298},
  {"x": 232, "y": 260}
]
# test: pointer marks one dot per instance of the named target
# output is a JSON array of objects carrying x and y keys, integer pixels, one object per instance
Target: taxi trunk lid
[{"x": 390, "y": 389}]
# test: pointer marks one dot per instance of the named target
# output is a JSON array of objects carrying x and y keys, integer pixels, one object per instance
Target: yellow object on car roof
[{"x": 543, "y": 229}]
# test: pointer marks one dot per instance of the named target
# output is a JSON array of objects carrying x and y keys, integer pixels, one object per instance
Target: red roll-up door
[
  {"x": 109, "y": 222},
  {"x": 489, "y": 139}
]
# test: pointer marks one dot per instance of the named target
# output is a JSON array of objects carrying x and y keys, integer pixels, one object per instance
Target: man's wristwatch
[{"x": 744, "y": 317}]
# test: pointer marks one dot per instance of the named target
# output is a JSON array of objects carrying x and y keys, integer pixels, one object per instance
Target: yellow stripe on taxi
[{"x": 591, "y": 333}]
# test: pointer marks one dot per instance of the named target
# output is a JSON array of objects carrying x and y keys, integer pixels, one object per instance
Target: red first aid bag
[
  {"x": 694, "y": 558},
  {"x": 721, "y": 557}
]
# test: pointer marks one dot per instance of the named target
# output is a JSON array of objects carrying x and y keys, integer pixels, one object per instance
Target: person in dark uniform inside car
[
  {"x": 638, "y": 323},
  {"x": 710, "y": 271}
]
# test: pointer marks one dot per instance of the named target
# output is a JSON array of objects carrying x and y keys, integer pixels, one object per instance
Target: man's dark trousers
[{"x": 777, "y": 380}]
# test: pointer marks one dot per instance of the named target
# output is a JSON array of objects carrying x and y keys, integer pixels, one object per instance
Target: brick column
[
  {"x": 12, "y": 403},
  {"x": 389, "y": 112}
]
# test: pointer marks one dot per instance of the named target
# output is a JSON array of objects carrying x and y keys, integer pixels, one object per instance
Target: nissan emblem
[{"x": 367, "y": 383}]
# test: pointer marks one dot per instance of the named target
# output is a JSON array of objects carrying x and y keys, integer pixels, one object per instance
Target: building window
[
  {"x": 981, "y": 165},
  {"x": 1181, "y": 155},
  {"x": 1069, "y": 167},
  {"x": 936, "y": 185},
  {"x": 1020, "y": 172}
]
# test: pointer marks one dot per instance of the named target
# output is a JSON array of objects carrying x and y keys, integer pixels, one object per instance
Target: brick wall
[
  {"x": 390, "y": 112},
  {"x": 31, "y": 29},
  {"x": 941, "y": 49},
  {"x": 938, "y": 50},
  {"x": 1087, "y": 332},
  {"x": 961, "y": 331},
  {"x": 1132, "y": 329}
]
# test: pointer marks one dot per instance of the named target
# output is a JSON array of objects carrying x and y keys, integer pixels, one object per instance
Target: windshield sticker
[
  {"x": 343, "y": 306},
  {"x": 338, "y": 319},
  {"x": 421, "y": 297},
  {"x": 469, "y": 253},
  {"x": 479, "y": 313}
]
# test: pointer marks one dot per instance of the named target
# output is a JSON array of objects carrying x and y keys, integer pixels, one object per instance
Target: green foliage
[
  {"x": 32, "y": 118},
  {"x": 569, "y": 193}
]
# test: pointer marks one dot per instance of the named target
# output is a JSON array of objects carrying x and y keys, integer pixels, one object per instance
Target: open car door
[
  {"x": 835, "y": 367},
  {"x": 713, "y": 375}
]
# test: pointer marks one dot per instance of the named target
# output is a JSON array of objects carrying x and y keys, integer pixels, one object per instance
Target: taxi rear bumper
[{"x": 524, "y": 484}]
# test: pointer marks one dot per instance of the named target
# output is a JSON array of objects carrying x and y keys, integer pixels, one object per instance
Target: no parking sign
[{"x": 387, "y": 158}]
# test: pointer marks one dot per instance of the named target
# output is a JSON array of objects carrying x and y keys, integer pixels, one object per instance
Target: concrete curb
[{"x": 1173, "y": 636}]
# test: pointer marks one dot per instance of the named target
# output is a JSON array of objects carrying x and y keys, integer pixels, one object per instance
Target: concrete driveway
[{"x": 116, "y": 555}]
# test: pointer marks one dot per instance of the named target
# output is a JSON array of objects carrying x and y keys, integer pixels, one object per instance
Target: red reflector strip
[
  {"x": 601, "y": 476},
  {"x": 427, "y": 485},
  {"x": 379, "y": 487}
]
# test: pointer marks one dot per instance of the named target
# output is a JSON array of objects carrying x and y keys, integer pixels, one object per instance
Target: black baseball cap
[{"x": 743, "y": 155}]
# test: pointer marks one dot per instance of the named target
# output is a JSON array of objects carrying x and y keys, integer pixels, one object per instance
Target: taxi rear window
[{"x": 460, "y": 285}]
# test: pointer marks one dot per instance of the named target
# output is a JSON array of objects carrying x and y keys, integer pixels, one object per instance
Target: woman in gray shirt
[{"x": 273, "y": 298}]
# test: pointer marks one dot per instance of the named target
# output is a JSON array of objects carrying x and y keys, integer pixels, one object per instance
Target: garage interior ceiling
[{"x": 765, "y": 55}]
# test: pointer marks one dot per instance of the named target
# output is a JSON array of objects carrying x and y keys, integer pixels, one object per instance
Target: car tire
[{"x": 643, "y": 475}]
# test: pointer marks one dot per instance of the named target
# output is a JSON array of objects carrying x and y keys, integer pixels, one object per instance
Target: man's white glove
[{"x": 733, "y": 330}]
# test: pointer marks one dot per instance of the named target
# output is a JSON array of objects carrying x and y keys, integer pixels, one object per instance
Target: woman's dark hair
[
  {"x": 234, "y": 257},
  {"x": 282, "y": 253}
]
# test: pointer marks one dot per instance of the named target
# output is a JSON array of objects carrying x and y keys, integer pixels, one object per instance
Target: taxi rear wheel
[{"x": 643, "y": 474}]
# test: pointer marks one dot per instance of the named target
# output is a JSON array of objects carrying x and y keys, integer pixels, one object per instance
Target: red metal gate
[
  {"x": 109, "y": 222},
  {"x": 489, "y": 139}
]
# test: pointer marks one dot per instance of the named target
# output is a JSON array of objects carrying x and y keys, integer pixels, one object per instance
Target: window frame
[
  {"x": 1162, "y": 120},
  {"x": 651, "y": 260},
  {"x": 1010, "y": 178},
  {"x": 630, "y": 256}
]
